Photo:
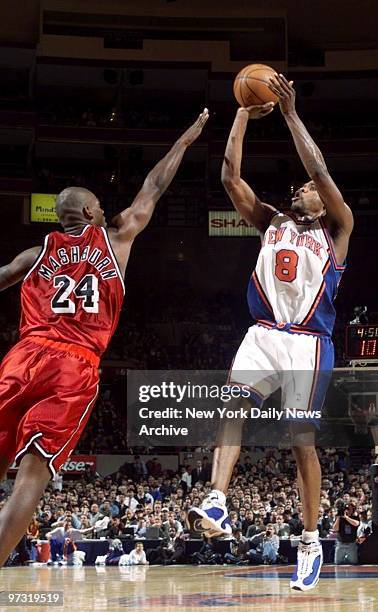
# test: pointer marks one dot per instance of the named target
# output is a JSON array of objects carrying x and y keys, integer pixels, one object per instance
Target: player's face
[{"x": 306, "y": 202}]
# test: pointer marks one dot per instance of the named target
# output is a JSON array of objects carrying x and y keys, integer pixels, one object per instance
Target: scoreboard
[{"x": 361, "y": 342}]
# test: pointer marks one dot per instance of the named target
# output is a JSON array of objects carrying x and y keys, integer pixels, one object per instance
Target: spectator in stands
[
  {"x": 142, "y": 497},
  {"x": 365, "y": 527},
  {"x": 186, "y": 478},
  {"x": 281, "y": 528},
  {"x": 141, "y": 528},
  {"x": 264, "y": 547},
  {"x": 154, "y": 467},
  {"x": 130, "y": 501},
  {"x": 324, "y": 522},
  {"x": 138, "y": 555},
  {"x": 114, "y": 528},
  {"x": 170, "y": 523},
  {"x": 239, "y": 548},
  {"x": 206, "y": 554},
  {"x": 106, "y": 510},
  {"x": 84, "y": 522},
  {"x": 173, "y": 549},
  {"x": 296, "y": 523},
  {"x": 155, "y": 492},
  {"x": 234, "y": 517},
  {"x": 115, "y": 552},
  {"x": 57, "y": 537},
  {"x": 346, "y": 525},
  {"x": 139, "y": 468},
  {"x": 94, "y": 514},
  {"x": 32, "y": 534},
  {"x": 120, "y": 501},
  {"x": 256, "y": 527},
  {"x": 247, "y": 521},
  {"x": 202, "y": 471}
]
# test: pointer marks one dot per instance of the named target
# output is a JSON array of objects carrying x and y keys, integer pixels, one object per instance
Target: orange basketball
[{"x": 251, "y": 85}]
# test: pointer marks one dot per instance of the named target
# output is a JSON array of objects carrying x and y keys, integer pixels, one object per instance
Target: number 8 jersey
[
  {"x": 74, "y": 291},
  {"x": 296, "y": 276}
]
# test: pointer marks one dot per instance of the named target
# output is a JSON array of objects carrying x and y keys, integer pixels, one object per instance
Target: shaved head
[{"x": 77, "y": 206}]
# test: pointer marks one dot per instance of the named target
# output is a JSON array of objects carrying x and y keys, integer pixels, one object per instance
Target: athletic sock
[
  {"x": 221, "y": 498},
  {"x": 310, "y": 536}
]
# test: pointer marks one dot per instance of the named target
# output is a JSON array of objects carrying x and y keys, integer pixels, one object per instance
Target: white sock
[
  {"x": 221, "y": 498},
  {"x": 310, "y": 536}
]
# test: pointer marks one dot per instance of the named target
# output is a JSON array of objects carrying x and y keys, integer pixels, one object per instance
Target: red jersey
[{"x": 74, "y": 291}]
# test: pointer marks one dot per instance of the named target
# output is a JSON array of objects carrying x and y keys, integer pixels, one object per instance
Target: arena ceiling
[{"x": 329, "y": 24}]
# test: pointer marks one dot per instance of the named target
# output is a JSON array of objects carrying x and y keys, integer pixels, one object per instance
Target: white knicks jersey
[{"x": 296, "y": 276}]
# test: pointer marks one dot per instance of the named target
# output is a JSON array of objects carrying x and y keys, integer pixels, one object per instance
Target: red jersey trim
[
  {"x": 113, "y": 257},
  {"x": 40, "y": 256}
]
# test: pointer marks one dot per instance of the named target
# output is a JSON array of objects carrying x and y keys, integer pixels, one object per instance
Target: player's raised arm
[
  {"x": 16, "y": 270},
  {"x": 339, "y": 215},
  {"x": 135, "y": 218},
  {"x": 242, "y": 196}
]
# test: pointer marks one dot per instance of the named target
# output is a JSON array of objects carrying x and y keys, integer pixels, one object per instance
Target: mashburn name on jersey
[{"x": 76, "y": 255}]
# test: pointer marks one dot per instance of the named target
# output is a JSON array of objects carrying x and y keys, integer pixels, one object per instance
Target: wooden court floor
[{"x": 188, "y": 588}]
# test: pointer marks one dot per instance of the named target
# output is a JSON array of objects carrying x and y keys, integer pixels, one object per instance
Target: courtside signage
[
  {"x": 229, "y": 223},
  {"x": 42, "y": 208},
  {"x": 76, "y": 464}
]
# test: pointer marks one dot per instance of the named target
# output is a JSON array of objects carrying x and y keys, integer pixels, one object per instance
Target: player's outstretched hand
[
  {"x": 285, "y": 91},
  {"x": 256, "y": 111},
  {"x": 195, "y": 130}
]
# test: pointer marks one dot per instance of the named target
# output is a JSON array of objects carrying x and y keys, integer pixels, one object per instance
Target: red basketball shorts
[{"x": 47, "y": 393}]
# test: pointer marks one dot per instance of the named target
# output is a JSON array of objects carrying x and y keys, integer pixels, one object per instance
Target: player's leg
[
  {"x": 212, "y": 517},
  {"x": 310, "y": 553},
  {"x": 309, "y": 482},
  {"x": 16, "y": 371},
  {"x": 251, "y": 371},
  {"x": 311, "y": 358},
  {"x": 31, "y": 480}
]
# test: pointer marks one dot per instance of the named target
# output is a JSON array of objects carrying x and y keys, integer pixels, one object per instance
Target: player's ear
[{"x": 87, "y": 213}]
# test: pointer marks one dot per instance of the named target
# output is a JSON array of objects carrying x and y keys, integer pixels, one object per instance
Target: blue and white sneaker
[
  {"x": 212, "y": 517},
  {"x": 309, "y": 564}
]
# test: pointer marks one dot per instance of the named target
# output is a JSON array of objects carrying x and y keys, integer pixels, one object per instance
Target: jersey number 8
[
  {"x": 286, "y": 265},
  {"x": 86, "y": 290}
]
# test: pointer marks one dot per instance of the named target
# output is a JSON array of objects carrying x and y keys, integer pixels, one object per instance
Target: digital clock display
[{"x": 361, "y": 342}]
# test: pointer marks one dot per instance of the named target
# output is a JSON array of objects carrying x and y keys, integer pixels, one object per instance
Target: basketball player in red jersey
[{"x": 71, "y": 298}]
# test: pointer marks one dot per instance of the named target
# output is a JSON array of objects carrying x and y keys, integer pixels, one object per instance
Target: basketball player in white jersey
[{"x": 290, "y": 297}]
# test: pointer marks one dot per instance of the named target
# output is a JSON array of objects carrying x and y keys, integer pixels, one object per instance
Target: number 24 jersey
[
  {"x": 74, "y": 291},
  {"x": 296, "y": 276}
]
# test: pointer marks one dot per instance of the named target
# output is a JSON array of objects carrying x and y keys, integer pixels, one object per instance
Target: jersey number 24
[{"x": 85, "y": 290}]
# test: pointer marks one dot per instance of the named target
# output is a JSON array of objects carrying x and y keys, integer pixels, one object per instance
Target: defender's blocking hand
[{"x": 195, "y": 130}]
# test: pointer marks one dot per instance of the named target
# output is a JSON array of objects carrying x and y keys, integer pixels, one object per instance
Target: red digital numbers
[{"x": 368, "y": 348}]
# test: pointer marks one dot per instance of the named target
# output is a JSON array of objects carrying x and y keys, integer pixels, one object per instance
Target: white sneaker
[
  {"x": 309, "y": 564},
  {"x": 212, "y": 517}
]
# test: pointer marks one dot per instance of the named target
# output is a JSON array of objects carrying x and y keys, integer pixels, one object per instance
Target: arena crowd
[{"x": 263, "y": 501}]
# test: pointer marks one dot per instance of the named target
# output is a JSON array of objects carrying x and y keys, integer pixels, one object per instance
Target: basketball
[{"x": 251, "y": 85}]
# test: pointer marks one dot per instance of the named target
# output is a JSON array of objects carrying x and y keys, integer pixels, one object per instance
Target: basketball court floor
[{"x": 188, "y": 588}]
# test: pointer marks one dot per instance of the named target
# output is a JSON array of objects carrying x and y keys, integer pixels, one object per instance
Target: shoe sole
[
  {"x": 208, "y": 526},
  {"x": 299, "y": 587}
]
